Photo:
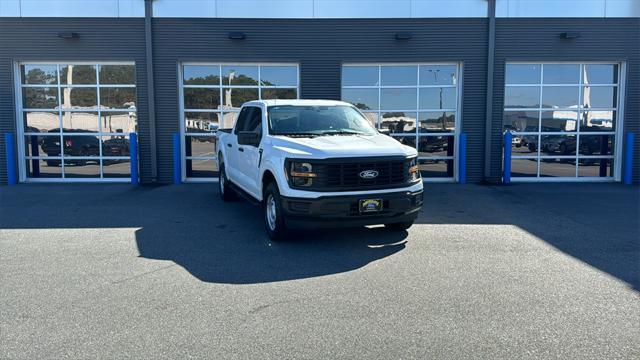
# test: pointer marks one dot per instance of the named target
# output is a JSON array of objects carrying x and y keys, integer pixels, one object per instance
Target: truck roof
[{"x": 298, "y": 102}]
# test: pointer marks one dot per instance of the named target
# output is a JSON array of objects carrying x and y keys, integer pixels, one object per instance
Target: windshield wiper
[
  {"x": 298, "y": 134},
  {"x": 342, "y": 132}
]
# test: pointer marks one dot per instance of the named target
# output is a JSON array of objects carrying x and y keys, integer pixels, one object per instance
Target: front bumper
[{"x": 344, "y": 211}]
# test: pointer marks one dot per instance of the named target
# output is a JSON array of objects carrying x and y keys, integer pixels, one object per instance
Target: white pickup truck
[{"x": 317, "y": 163}]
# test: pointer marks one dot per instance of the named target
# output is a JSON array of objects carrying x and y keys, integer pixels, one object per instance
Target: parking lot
[{"x": 519, "y": 271}]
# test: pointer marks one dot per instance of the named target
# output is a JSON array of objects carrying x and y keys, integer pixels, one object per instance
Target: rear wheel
[
  {"x": 226, "y": 192},
  {"x": 273, "y": 215},
  {"x": 399, "y": 226}
]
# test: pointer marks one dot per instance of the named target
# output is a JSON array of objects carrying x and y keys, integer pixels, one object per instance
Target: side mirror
[{"x": 249, "y": 138}]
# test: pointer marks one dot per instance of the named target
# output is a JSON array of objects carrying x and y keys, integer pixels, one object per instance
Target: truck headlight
[
  {"x": 302, "y": 173},
  {"x": 414, "y": 170}
]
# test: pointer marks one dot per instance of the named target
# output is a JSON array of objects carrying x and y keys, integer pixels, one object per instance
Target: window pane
[
  {"x": 112, "y": 168},
  {"x": 530, "y": 142},
  {"x": 81, "y": 145},
  {"x": 40, "y": 98},
  {"x": 40, "y": 121},
  {"x": 359, "y": 76},
  {"x": 596, "y": 144},
  {"x": 363, "y": 99},
  {"x": 398, "y": 99},
  {"x": 599, "y": 97},
  {"x": 78, "y": 74},
  {"x": 558, "y": 145},
  {"x": 521, "y": 97},
  {"x": 524, "y": 167},
  {"x": 398, "y": 122},
  {"x": 32, "y": 145},
  {"x": 118, "y": 122},
  {"x": 268, "y": 94},
  {"x": 560, "y": 97},
  {"x": 595, "y": 167},
  {"x": 561, "y": 74},
  {"x": 43, "y": 168},
  {"x": 79, "y": 98},
  {"x": 407, "y": 140},
  {"x": 201, "y": 122},
  {"x": 279, "y": 76},
  {"x": 559, "y": 120},
  {"x": 557, "y": 168},
  {"x": 234, "y": 97},
  {"x": 399, "y": 75},
  {"x": 438, "y": 75},
  {"x": 118, "y": 98},
  {"x": 522, "y": 121},
  {"x": 201, "y": 98},
  {"x": 117, "y": 74},
  {"x": 82, "y": 168},
  {"x": 522, "y": 74},
  {"x": 239, "y": 75},
  {"x": 201, "y": 168},
  {"x": 437, "y": 121},
  {"x": 39, "y": 74},
  {"x": 519, "y": 146},
  {"x": 436, "y": 168},
  {"x": 228, "y": 119},
  {"x": 201, "y": 74},
  {"x": 598, "y": 121},
  {"x": 600, "y": 74},
  {"x": 115, "y": 145},
  {"x": 435, "y": 145},
  {"x": 80, "y": 121},
  {"x": 200, "y": 146},
  {"x": 438, "y": 98},
  {"x": 49, "y": 146}
]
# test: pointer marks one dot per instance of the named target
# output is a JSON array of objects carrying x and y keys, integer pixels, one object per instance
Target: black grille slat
[{"x": 345, "y": 174}]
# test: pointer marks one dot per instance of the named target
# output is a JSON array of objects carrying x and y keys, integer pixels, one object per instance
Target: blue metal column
[
  {"x": 462, "y": 159},
  {"x": 11, "y": 159},
  {"x": 628, "y": 158},
  {"x": 506, "y": 177},
  {"x": 133, "y": 155},
  {"x": 177, "y": 171}
]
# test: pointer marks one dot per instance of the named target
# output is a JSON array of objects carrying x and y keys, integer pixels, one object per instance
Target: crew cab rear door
[{"x": 249, "y": 137}]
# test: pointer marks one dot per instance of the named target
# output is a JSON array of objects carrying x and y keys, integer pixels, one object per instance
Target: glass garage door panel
[
  {"x": 417, "y": 104},
  {"x": 212, "y": 94},
  {"x": 76, "y": 119},
  {"x": 563, "y": 119}
]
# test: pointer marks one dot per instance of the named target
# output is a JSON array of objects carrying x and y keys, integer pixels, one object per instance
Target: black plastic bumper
[{"x": 344, "y": 211}]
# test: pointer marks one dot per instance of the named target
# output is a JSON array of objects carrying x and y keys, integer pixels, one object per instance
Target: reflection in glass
[
  {"x": 201, "y": 98},
  {"x": 438, "y": 75},
  {"x": 80, "y": 121},
  {"x": 561, "y": 74},
  {"x": 200, "y": 146},
  {"x": 40, "y": 98},
  {"x": 49, "y": 145},
  {"x": 201, "y": 74},
  {"x": 359, "y": 76},
  {"x": 524, "y": 167},
  {"x": 117, "y": 74},
  {"x": 600, "y": 74},
  {"x": 519, "y": 146},
  {"x": 229, "y": 119},
  {"x": 268, "y": 94},
  {"x": 84, "y": 98},
  {"x": 239, "y": 75},
  {"x": 399, "y": 75},
  {"x": 597, "y": 121},
  {"x": 521, "y": 97},
  {"x": 77, "y": 74},
  {"x": 438, "y": 98},
  {"x": 43, "y": 168},
  {"x": 595, "y": 168},
  {"x": 372, "y": 118},
  {"x": 436, "y": 168},
  {"x": 39, "y": 74},
  {"x": 32, "y": 145},
  {"x": 118, "y": 98},
  {"x": 118, "y": 122},
  {"x": 438, "y": 121},
  {"x": 522, "y": 74},
  {"x": 558, "y": 167},
  {"x": 201, "y": 168},
  {"x": 195, "y": 122},
  {"x": 115, "y": 145},
  {"x": 559, "y": 120},
  {"x": 363, "y": 99},
  {"x": 116, "y": 168},
  {"x": 279, "y": 76},
  {"x": 560, "y": 97},
  {"x": 234, "y": 97},
  {"x": 522, "y": 121},
  {"x": 596, "y": 144},
  {"x": 81, "y": 169},
  {"x": 435, "y": 145},
  {"x": 407, "y": 140},
  {"x": 40, "y": 121},
  {"x": 558, "y": 145},
  {"x": 398, "y": 99},
  {"x": 599, "y": 97},
  {"x": 398, "y": 122},
  {"x": 80, "y": 145}
]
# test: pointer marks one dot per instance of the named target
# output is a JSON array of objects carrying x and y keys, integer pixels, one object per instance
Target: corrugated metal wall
[{"x": 539, "y": 40}]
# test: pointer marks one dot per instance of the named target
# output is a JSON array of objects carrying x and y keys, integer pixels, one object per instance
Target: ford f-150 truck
[{"x": 317, "y": 163}]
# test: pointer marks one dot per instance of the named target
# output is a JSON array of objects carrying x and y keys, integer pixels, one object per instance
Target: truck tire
[
  {"x": 225, "y": 191},
  {"x": 274, "y": 220},
  {"x": 399, "y": 226}
]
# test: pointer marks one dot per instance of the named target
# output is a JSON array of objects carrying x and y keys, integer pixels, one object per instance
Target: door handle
[
  {"x": 229, "y": 145},
  {"x": 241, "y": 149}
]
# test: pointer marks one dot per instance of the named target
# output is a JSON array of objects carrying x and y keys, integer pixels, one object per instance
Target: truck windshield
[{"x": 295, "y": 120}]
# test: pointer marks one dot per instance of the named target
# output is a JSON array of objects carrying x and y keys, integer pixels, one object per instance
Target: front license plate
[{"x": 370, "y": 205}]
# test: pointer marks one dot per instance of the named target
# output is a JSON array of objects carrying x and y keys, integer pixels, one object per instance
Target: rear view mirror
[{"x": 249, "y": 138}]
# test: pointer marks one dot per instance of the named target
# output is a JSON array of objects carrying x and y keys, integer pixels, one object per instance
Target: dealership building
[{"x": 448, "y": 77}]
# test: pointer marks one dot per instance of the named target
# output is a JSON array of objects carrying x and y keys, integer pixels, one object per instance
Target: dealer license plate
[{"x": 370, "y": 205}]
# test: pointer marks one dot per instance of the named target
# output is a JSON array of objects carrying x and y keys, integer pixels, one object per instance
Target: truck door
[
  {"x": 233, "y": 159},
  {"x": 249, "y": 154}
]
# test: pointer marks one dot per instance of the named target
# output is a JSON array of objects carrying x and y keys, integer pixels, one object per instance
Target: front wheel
[
  {"x": 226, "y": 192},
  {"x": 399, "y": 226},
  {"x": 273, "y": 215}
]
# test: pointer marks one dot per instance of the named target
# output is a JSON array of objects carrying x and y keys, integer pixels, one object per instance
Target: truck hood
[{"x": 342, "y": 146}]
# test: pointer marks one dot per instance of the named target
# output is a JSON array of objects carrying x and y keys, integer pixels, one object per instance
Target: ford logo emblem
[{"x": 369, "y": 174}]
